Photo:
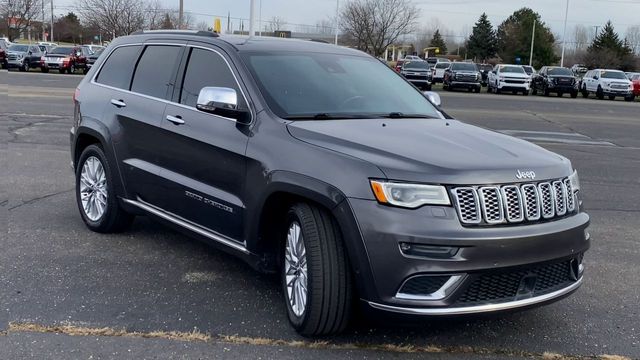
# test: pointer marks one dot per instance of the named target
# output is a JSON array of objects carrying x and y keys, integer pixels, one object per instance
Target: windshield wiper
[
  {"x": 399, "y": 115},
  {"x": 324, "y": 116}
]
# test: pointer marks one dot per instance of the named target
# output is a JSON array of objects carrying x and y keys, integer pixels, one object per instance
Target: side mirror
[
  {"x": 223, "y": 102},
  {"x": 595, "y": 77},
  {"x": 433, "y": 97},
  {"x": 30, "y": 53}
]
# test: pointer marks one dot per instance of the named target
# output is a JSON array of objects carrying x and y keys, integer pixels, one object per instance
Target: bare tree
[
  {"x": 19, "y": 14},
  {"x": 202, "y": 25},
  {"x": 581, "y": 37},
  {"x": 633, "y": 37},
  {"x": 325, "y": 27},
  {"x": 114, "y": 17},
  {"x": 376, "y": 24},
  {"x": 276, "y": 23}
]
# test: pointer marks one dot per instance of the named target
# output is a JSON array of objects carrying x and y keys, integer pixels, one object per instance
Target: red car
[
  {"x": 635, "y": 79},
  {"x": 65, "y": 59},
  {"x": 399, "y": 65}
]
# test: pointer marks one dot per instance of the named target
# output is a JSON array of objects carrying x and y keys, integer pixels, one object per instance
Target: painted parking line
[{"x": 556, "y": 137}]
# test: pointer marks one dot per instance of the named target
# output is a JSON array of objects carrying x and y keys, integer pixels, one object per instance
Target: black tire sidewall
[{"x": 102, "y": 224}]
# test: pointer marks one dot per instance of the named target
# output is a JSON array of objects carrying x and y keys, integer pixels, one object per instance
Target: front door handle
[
  {"x": 175, "y": 119},
  {"x": 118, "y": 103}
]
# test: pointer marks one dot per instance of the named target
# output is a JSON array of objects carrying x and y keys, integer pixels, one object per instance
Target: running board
[{"x": 187, "y": 225}]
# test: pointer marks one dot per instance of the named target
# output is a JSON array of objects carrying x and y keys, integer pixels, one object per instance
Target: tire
[
  {"x": 498, "y": 91},
  {"x": 534, "y": 91},
  {"x": 24, "y": 67},
  {"x": 61, "y": 70},
  {"x": 612, "y": 97},
  {"x": 585, "y": 93},
  {"x": 546, "y": 91},
  {"x": 559, "y": 94},
  {"x": 630, "y": 98},
  {"x": 112, "y": 218},
  {"x": 525, "y": 93},
  {"x": 44, "y": 70},
  {"x": 477, "y": 90},
  {"x": 328, "y": 304},
  {"x": 428, "y": 88},
  {"x": 488, "y": 88},
  {"x": 574, "y": 94},
  {"x": 600, "y": 93}
]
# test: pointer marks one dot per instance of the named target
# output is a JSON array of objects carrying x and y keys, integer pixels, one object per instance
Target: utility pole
[
  {"x": 564, "y": 34},
  {"x": 533, "y": 37},
  {"x": 260, "y": 20},
  {"x": 43, "y": 28},
  {"x": 252, "y": 16},
  {"x": 51, "y": 32},
  {"x": 337, "y": 15},
  {"x": 181, "y": 14}
]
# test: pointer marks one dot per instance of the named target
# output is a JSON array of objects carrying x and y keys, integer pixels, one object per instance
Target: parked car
[
  {"x": 437, "y": 71},
  {"x": 529, "y": 70},
  {"x": 579, "y": 70},
  {"x": 23, "y": 57},
  {"x": 45, "y": 48},
  {"x": 398, "y": 66},
  {"x": 484, "y": 69},
  {"x": 412, "y": 58},
  {"x": 635, "y": 80},
  {"x": 212, "y": 135},
  {"x": 555, "y": 79},
  {"x": 3, "y": 54},
  {"x": 462, "y": 75},
  {"x": 49, "y": 44},
  {"x": 91, "y": 59},
  {"x": 65, "y": 59},
  {"x": 631, "y": 74},
  {"x": 511, "y": 78},
  {"x": 418, "y": 73},
  {"x": 434, "y": 60},
  {"x": 605, "y": 82},
  {"x": 93, "y": 48}
]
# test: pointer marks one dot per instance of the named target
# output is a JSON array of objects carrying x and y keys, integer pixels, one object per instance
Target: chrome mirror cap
[
  {"x": 212, "y": 98},
  {"x": 434, "y": 97}
]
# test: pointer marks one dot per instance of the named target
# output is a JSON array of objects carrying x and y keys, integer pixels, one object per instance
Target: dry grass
[{"x": 195, "y": 335}]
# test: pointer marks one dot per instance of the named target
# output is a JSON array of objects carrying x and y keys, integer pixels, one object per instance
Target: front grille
[
  {"x": 619, "y": 86},
  {"x": 417, "y": 77},
  {"x": 466, "y": 77},
  {"x": 514, "y": 81},
  {"x": 423, "y": 285},
  {"x": 12, "y": 57},
  {"x": 520, "y": 283},
  {"x": 514, "y": 203}
]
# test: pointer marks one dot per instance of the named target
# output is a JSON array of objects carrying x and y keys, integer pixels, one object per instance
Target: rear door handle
[
  {"x": 175, "y": 119},
  {"x": 118, "y": 103}
]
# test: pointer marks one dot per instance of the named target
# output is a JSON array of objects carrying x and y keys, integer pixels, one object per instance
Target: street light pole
[
  {"x": 260, "y": 20},
  {"x": 252, "y": 16},
  {"x": 51, "y": 32},
  {"x": 533, "y": 37},
  {"x": 181, "y": 14},
  {"x": 336, "y": 22},
  {"x": 43, "y": 28},
  {"x": 564, "y": 34}
]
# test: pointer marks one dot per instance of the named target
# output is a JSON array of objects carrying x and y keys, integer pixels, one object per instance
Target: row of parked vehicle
[
  {"x": 515, "y": 79},
  {"x": 48, "y": 56}
]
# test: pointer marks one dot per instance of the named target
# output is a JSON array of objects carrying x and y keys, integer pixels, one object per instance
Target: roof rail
[{"x": 175, "y": 32}]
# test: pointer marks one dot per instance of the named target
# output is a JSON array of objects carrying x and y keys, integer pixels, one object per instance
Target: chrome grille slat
[
  {"x": 467, "y": 204},
  {"x": 514, "y": 203}
]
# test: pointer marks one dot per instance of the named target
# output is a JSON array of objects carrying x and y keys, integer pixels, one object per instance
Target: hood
[
  {"x": 516, "y": 75},
  {"x": 433, "y": 150},
  {"x": 16, "y": 52},
  {"x": 616, "y": 81}
]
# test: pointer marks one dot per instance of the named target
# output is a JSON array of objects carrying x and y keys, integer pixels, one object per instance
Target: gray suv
[{"x": 322, "y": 164}]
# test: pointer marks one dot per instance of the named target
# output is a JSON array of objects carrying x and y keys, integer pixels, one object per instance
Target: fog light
[{"x": 428, "y": 251}]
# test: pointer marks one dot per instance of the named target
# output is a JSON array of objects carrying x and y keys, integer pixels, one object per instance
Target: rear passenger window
[
  {"x": 156, "y": 70},
  {"x": 206, "y": 68},
  {"x": 118, "y": 68}
]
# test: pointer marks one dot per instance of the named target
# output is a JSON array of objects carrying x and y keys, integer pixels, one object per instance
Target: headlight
[
  {"x": 575, "y": 182},
  {"x": 409, "y": 195}
]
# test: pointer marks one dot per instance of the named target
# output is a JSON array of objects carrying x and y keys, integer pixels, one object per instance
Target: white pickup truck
[
  {"x": 511, "y": 78},
  {"x": 438, "y": 71}
]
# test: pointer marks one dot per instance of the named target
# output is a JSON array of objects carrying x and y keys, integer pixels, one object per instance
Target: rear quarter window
[{"x": 118, "y": 67}]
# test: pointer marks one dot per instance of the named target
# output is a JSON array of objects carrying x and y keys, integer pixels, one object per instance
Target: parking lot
[{"x": 151, "y": 292}]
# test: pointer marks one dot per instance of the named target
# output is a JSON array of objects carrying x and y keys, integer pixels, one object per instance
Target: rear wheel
[
  {"x": 95, "y": 195},
  {"x": 534, "y": 91},
  {"x": 316, "y": 279},
  {"x": 546, "y": 91},
  {"x": 600, "y": 93}
]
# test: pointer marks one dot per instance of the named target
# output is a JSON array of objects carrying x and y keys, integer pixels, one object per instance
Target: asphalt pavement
[{"x": 150, "y": 292}]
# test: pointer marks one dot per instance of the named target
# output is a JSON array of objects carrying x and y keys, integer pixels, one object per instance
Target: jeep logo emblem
[{"x": 525, "y": 174}]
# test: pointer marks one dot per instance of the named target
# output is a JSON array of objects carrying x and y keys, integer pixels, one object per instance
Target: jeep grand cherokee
[{"x": 321, "y": 163}]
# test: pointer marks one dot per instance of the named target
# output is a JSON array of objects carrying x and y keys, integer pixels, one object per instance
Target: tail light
[{"x": 66, "y": 61}]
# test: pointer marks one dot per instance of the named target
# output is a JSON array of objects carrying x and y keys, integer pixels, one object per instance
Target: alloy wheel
[
  {"x": 296, "y": 269},
  {"x": 93, "y": 189}
]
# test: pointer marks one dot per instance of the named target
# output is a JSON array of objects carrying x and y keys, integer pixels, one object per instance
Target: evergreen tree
[
  {"x": 608, "y": 51},
  {"x": 438, "y": 41},
  {"x": 514, "y": 39},
  {"x": 482, "y": 43}
]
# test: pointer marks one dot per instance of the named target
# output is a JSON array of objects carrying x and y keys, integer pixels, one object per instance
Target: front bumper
[
  {"x": 14, "y": 63},
  {"x": 617, "y": 92},
  {"x": 479, "y": 252},
  {"x": 513, "y": 86},
  {"x": 465, "y": 84},
  {"x": 562, "y": 88}
]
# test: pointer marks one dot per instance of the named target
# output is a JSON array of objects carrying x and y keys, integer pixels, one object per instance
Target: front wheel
[
  {"x": 630, "y": 98},
  {"x": 600, "y": 93},
  {"x": 44, "y": 69},
  {"x": 574, "y": 94},
  {"x": 316, "y": 278},
  {"x": 534, "y": 91},
  {"x": 585, "y": 93},
  {"x": 95, "y": 195}
]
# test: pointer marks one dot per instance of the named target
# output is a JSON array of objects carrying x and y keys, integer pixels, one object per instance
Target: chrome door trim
[{"x": 210, "y": 234}]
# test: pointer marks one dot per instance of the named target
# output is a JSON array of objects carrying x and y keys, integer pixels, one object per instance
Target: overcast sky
[{"x": 458, "y": 15}]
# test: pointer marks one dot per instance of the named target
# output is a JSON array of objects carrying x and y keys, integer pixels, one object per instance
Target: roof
[{"x": 246, "y": 43}]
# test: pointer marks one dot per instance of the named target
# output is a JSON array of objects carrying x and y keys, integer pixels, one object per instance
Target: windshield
[
  {"x": 613, "y": 75},
  {"x": 512, "y": 69},
  {"x": 21, "y": 48},
  {"x": 3, "y": 45},
  {"x": 463, "y": 67},
  {"x": 314, "y": 85},
  {"x": 417, "y": 65},
  {"x": 442, "y": 65},
  {"x": 61, "y": 50},
  {"x": 485, "y": 67},
  {"x": 559, "y": 71}
]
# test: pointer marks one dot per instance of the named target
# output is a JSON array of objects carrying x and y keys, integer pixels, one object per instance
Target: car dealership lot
[{"x": 53, "y": 271}]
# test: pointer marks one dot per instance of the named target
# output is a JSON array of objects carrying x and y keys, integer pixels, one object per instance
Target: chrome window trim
[
  {"x": 483, "y": 205},
  {"x": 479, "y": 308},
  {"x": 168, "y": 102},
  {"x": 439, "y": 294}
]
